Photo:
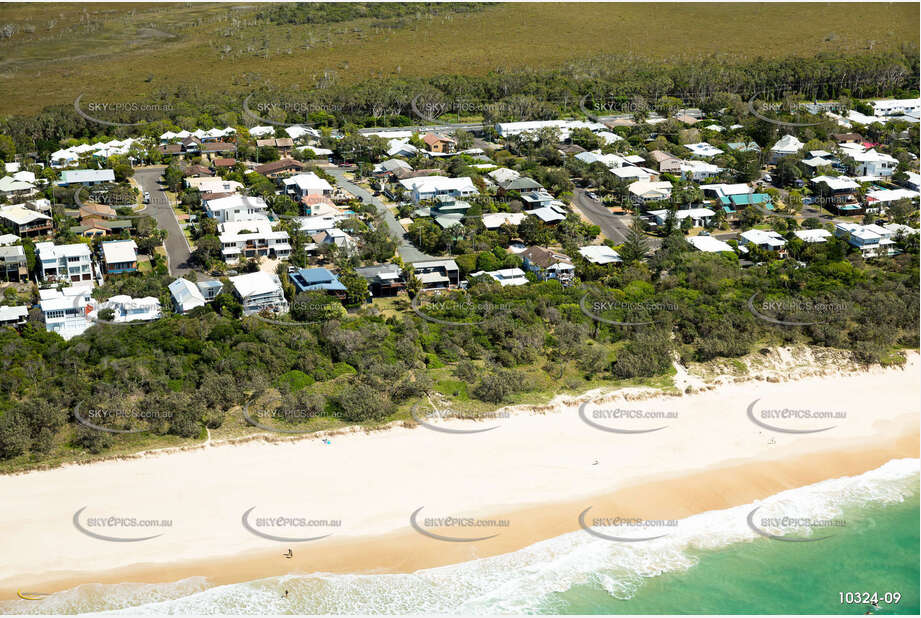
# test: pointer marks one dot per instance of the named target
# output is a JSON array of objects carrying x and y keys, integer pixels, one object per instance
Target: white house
[
  {"x": 213, "y": 184},
  {"x": 600, "y": 254},
  {"x": 703, "y": 149},
  {"x": 785, "y": 146},
  {"x": 258, "y": 291},
  {"x": 186, "y": 295},
  {"x": 252, "y": 239},
  {"x": 644, "y": 191},
  {"x": 765, "y": 239},
  {"x": 698, "y": 170},
  {"x": 631, "y": 172},
  {"x": 817, "y": 235},
  {"x": 895, "y": 107},
  {"x": 872, "y": 240},
  {"x": 127, "y": 309},
  {"x": 495, "y": 220},
  {"x": 13, "y": 315},
  {"x": 429, "y": 187},
  {"x": 510, "y": 129},
  {"x": 875, "y": 164},
  {"x": 699, "y": 216},
  {"x": 86, "y": 178},
  {"x": 236, "y": 208},
  {"x": 308, "y": 183},
  {"x": 10, "y": 186},
  {"x": 505, "y": 276},
  {"x": 64, "y": 262},
  {"x": 503, "y": 175},
  {"x": 708, "y": 244},
  {"x": 65, "y": 311}
]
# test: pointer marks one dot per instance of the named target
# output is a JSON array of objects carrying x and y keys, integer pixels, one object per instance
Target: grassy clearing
[{"x": 61, "y": 50}]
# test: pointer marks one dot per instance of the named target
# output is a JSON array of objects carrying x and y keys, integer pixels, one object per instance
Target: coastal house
[
  {"x": 13, "y": 316},
  {"x": 11, "y": 187},
  {"x": 65, "y": 311},
  {"x": 699, "y": 217},
  {"x": 818, "y": 235},
  {"x": 435, "y": 142},
  {"x": 643, "y": 191},
  {"x": 128, "y": 309},
  {"x": 871, "y": 240},
  {"x": 24, "y": 221},
  {"x": 548, "y": 264},
  {"x": 213, "y": 184},
  {"x": 600, "y": 254},
  {"x": 504, "y": 276},
  {"x": 259, "y": 291},
  {"x": 236, "y": 208},
  {"x": 437, "y": 274},
  {"x": 185, "y": 295},
  {"x": 64, "y": 262},
  {"x": 709, "y": 244},
  {"x": 837, "y": 193},
  {"x": 786, "y": 146},
  {"x": 495, "y": 220},
  {"x": 280, "y": 168},
  {"x": 317, "y": 280},
  {"x": 703, "y": 150},
  {"x": 87, "y": 178},
  {"x": 254, "y": 238},
  {"x": 873, "y": 164},
  {"x": 383, "y": 279},
  {"x": 768, "y": 240},
  {"x": 429, "y": 187},
  {"x": 309, "y": 183},
  {"x": 119, "y": 256},
  {"x": 13, "y": 265}
]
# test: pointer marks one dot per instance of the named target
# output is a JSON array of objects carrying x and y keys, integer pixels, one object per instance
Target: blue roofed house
[{"x": 317, "y": 280}]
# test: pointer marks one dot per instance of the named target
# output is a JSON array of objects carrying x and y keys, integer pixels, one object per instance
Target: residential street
[
  {"x": 177, "y": 247},
  {"x": 612, "y": 226},
  {"x": 408, "y": 252}
]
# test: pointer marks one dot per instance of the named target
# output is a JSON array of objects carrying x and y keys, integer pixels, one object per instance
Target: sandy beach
[{"x": 537, "y": 471}]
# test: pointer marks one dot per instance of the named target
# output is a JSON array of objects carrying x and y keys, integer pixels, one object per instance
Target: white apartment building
[{"x": 64, "y": 262}]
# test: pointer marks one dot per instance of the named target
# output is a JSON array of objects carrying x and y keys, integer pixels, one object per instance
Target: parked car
[{"x": 146, "y": 197}]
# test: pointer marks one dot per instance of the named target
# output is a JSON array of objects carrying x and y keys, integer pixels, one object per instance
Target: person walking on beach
[{"x": 290, "y": 554}]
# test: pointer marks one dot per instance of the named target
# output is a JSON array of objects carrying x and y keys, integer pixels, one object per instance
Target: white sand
[{"x": 372, "y": 482}]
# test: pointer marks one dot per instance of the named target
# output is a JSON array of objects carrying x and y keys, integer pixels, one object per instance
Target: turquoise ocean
[{"x": 712, "y": 562}]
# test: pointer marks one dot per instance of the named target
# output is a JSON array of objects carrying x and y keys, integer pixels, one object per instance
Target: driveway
[
  {"x": 407, "y": 251},
  {"x": 614, "y": 227},
  {"x": 177, "y": 247}
]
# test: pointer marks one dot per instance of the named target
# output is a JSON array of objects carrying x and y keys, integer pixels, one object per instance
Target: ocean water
[{"x": 710, "y": 563}]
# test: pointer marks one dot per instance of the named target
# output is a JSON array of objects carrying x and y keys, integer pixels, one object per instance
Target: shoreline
[
  {"x": 378, "y": 554},
  {"x": 539, "y": 477}
]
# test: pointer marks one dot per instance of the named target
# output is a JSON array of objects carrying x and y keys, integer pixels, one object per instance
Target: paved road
[
  {"x": 177, "y": 247},
  {"x": 408, "y": 252},
  {"x": 612, "y": 226}
]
